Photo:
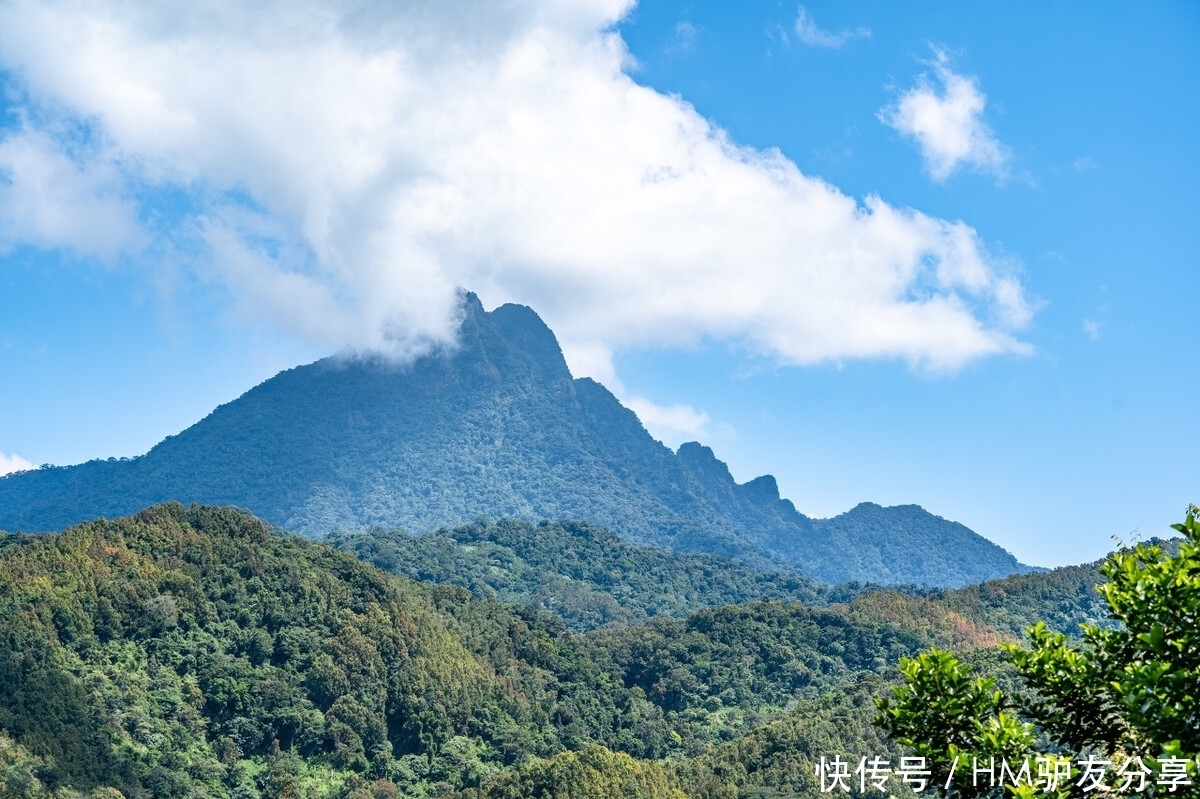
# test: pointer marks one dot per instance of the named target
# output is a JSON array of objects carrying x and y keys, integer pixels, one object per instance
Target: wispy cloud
[
  {"x": 671, "y": 424},
  {"x": 945, "y": 117},
  {"x": 13, "y": 463},
  {"x": 345, "y": 173},
  {"x": 810, "y": 34},
  {"x": 686, "y": 35},
  {"x": 1093, "y": 324}
]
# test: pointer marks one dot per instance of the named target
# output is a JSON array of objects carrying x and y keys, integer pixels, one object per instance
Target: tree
[
  {"x": 593, "y": 772},
  {"x": 1129, "y": 690}
]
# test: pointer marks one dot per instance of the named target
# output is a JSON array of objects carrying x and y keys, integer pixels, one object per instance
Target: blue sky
[{"x": 946, "y": 256}]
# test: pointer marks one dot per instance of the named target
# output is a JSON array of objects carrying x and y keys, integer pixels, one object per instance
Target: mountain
[{"x": 495, "y": 426}]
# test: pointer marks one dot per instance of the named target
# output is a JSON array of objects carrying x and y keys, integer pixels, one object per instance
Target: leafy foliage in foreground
[{"x": 1130, "y": 689}]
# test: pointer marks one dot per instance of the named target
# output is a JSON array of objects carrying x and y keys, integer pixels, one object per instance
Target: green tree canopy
[{"x": 1131, "y": 690}]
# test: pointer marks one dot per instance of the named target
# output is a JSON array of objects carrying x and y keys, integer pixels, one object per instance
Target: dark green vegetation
[
  {"x": 1125, "y": 690},
  {"x": 587, "y": 576},
  {"x": 591, "y": 578},
  {"x": 1062, "y": 599},
  {"x": 193, "y": 652},
  {"x": 495, "y": 427},
  {"x": 591, "y": 772}
]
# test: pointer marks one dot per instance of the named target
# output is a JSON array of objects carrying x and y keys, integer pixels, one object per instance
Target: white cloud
[
  {"x": 50, "y": 199},
  {"x": 945, "y": 117},
  {"x": 808, "y": 32},
  {"x": 13, "y": 463},
  {"x": 349, "y": 166},
  {"x": 1091, "y": 328},
  {"x": 671, "y": 424}
]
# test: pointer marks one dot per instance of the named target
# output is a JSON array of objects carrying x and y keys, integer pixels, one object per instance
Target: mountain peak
[
  {"x": 763, "y": 487},
  {"x": 470, "y": 304},
  {"x": 494, "y": 426},
  {"x": 703, "y": 460}
]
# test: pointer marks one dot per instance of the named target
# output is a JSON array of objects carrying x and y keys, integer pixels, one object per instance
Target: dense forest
[
  {"x": 591, "y": 578},
  {"x": 586, "y": 575},
  {"x": 199, "y": 652}
]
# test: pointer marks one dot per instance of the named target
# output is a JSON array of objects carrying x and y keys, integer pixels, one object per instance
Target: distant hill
[
  {"x": 591, "y": 578},
  {"x": 498, "y": 427},
  {"x": 1063, "y": 598},
  {"x": 586, "y": 575}
]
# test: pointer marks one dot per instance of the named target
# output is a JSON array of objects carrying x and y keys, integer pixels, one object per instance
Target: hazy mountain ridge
[{"x": 498, "y": 427}]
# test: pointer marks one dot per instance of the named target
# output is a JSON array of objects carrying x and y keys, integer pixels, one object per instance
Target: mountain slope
[
  {"x": 587, "y": 576},
  {"x": 160, "y": 652},
  {"x": 498, "y": 427}
]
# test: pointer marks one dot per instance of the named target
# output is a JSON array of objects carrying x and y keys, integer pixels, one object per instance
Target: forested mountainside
[
  {"x": 496, "y": 426},
  {"x": 591, "y": 578},
  {"x": 194, "y": 652},
  {"x": 1062, "y": 598},
  {"x": 587, "y": 576}
]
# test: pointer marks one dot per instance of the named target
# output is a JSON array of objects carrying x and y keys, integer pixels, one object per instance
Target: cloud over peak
[{"x": 348, "y": 167}]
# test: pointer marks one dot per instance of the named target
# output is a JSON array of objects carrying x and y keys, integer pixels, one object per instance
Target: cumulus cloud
[
  {"x": 945, "y": 117},
  {"x": 348, "y": 166},
  {"x": 808, "y": 33},
  {"x": 13, "y": 463}
]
